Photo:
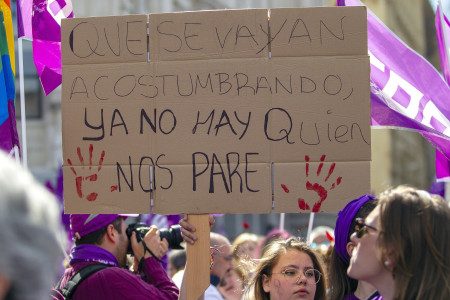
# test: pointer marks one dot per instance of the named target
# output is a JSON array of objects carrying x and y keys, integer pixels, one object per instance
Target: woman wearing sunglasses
[
  {"x": 403, "y": 246},
  {"x": 289, "y": 269},
  {"x": 341, "y": 286}
]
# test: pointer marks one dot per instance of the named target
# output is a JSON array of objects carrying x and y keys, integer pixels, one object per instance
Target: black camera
[{"x": 172, "y": 234}]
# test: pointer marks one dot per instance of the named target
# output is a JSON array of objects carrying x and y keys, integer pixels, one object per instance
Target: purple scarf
[
  {"x": 343, "y": 222},
  {"x": 87, "y": 253}
]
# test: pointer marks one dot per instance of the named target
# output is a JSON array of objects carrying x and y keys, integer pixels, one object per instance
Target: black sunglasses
[{"x": 361, "y": 228}]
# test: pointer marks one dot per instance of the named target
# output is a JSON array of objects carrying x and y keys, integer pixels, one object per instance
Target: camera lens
[{"x": 173, "y": 236}]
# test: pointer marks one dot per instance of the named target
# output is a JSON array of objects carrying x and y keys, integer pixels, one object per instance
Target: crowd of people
[{"x": 393, "y": 247}]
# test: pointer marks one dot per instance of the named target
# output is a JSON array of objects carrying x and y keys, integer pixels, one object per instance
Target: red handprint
[
  {"x": 90, "y": 177},
  {"x": 321, "y": 191}
]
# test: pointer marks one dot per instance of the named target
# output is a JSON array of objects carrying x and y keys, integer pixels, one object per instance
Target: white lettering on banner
[
  {"x": 431, "y": 110},
  {"x": 391, "y": 87}
]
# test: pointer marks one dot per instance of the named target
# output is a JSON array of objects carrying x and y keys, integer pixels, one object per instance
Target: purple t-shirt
[
  {"x": 351, "y": 297},
  {"x": 375, "y": 296}
]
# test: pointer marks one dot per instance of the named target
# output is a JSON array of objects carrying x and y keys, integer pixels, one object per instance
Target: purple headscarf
[{"x": 343, "y": 222}]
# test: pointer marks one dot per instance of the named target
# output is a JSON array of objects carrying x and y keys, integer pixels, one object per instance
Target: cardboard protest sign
[{"x": 211, "y": 123}]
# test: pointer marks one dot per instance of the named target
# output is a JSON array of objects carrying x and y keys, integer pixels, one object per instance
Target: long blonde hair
[
  {"x": 271, "y": 257},
  {"x": 414, "y": 233}
]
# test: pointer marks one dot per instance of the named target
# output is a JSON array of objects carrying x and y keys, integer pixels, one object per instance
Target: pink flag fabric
[
  {"x": 406, "y": 90},
  {"x": 24, "y": 9},
  {"x": 443, "y": 36},
  {"x": 46, "y": 25}
]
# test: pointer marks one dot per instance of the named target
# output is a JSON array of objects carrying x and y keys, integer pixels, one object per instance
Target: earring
[{"x": 387, "y": 263}]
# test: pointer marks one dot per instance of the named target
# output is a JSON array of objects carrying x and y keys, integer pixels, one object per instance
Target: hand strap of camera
[{"x": 142, "y": 261}]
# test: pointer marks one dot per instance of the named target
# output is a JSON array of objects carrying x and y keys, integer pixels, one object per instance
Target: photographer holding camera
[{"x": 103, "y": 240}]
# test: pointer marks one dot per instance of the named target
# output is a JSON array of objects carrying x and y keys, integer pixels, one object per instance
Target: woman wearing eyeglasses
[
  {"x": 289, "y": 269},
  {"x": 403, "y": 246},
  {"x": 341, "y": 286}
]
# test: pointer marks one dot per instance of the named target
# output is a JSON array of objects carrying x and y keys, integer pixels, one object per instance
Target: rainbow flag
[
  {"x": 5, "y": 7},
  {"x": 8, "y": 129}
]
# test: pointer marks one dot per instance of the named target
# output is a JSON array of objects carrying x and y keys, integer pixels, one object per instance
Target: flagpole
[
  {"x": 310, "y": 226},
  {"x": 282, "y": 217},
  {"x": 22, "y": 108}
]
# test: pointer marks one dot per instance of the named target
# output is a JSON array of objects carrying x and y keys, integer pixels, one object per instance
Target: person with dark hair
[
  {"x": 102, "y": 239},
  {"x": 402, "y": 247},
  {"x": 342, "y": 286},
  {"x": 176, "y": 261},
  {"x": 289, "y": 269}
]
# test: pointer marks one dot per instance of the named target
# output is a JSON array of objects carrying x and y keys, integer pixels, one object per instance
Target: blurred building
[{"x": 398, "y": 157}]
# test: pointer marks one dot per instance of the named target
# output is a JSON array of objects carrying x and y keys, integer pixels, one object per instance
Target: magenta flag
[
  {"x": 46, "y": 23},
  {"x": 24, "y": 8},
  {"x": 443, "y": 36},
  {"x": 406, "y": 90}
]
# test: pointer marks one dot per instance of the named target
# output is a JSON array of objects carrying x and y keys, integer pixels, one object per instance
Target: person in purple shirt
[{"x": 102, "y": 239}]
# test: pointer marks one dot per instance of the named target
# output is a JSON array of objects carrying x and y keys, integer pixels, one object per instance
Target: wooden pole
[{"x": 198, "y": 258}]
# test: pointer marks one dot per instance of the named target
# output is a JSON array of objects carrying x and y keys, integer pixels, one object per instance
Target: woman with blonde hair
[
  {"x": 289, "y": 269},
  {"x": 244, "y": 249},
  {"x": 403, "y": 246}
]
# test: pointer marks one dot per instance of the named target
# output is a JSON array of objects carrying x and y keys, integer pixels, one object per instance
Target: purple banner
[
  {"x": 46, "y": 21},
  {"x": 24, "y": 19},
  {"x": 443, "y": 36},
  {"x": 406, "y": 90}
]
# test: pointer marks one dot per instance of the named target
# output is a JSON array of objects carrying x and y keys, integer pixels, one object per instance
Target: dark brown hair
[{"x": 414, "y": 234}]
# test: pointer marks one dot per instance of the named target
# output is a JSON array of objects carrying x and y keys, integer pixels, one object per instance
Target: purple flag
[
  {"x": 406, "y": 90},
  {"x": 24, "y": 19},
  {"x": 443, "y": 35},
  {"x": 46, "y": 21}
]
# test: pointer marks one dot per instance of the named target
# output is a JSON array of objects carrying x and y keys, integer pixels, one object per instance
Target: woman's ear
[
  {"x": 350, "y": 247},
  {"x": 388, "y": 261},
  {"x": 266, "y": 283}
]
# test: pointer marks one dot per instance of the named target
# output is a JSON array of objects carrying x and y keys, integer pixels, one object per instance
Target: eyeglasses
[
  {"x": 361, "y": 228},
  {"x": 293, "y": 275}
]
